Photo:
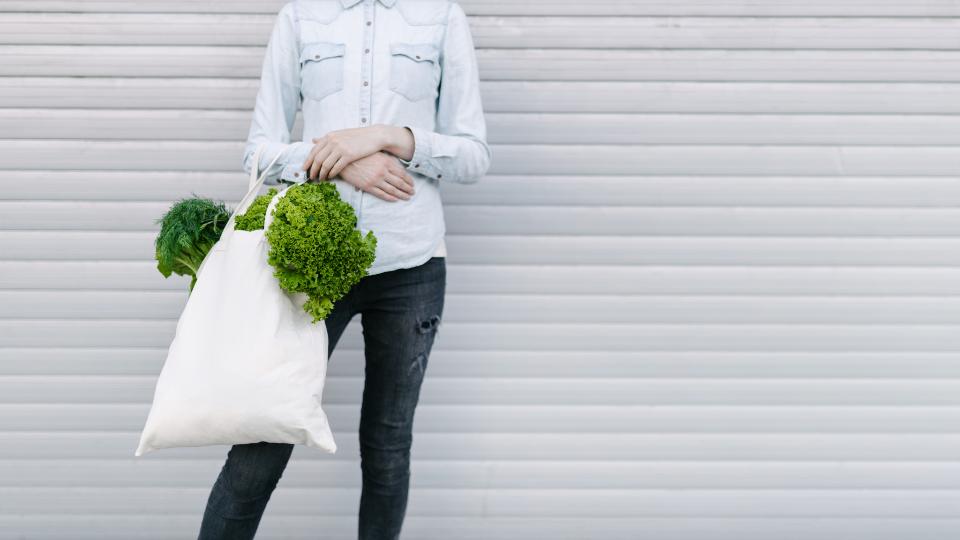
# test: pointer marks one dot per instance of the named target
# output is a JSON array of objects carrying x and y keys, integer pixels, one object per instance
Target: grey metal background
[{"x": 708, "y": 290}]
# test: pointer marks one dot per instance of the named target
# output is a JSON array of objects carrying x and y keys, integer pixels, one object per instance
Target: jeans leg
[
  {"x": 400, "y": 322},
  {"x": 343, "y": 311},
  {"x": 251, "y": 471},
  {"x": 240, "y": 494}
]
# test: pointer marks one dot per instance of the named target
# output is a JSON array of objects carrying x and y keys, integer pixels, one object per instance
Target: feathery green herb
[
  {"x": 187, "y": 232},
  {"x": 315, "y": 247}
]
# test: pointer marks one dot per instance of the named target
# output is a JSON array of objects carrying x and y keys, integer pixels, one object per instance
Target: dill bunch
[{"x": 187, "y": 232}]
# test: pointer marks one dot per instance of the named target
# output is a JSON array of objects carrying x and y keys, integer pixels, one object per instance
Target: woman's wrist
[{"x": 396, "y": 140}]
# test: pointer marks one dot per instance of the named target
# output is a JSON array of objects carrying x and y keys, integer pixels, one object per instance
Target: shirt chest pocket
[
  {"x": 321, "y": 69},
  {"x": 414, "y": 70}
]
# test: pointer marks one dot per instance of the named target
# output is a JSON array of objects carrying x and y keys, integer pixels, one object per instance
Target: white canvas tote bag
[{"x": 246, "y": 363}]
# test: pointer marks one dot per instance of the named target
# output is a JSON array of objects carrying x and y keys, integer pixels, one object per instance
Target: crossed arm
[
  {"x": 379, "y": 158},
  {"x": 359, "y": 156}
]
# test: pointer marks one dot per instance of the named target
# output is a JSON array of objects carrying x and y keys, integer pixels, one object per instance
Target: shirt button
[
  {"x": 439, "y": 176},
  {"x": 296, "y": 175},
  {"x": 366, "y": 83},
  {"x": 356, "y": 188},
  {"x": 366, "y": 51},
  {"x": 363, "y": 120},
  {"x": 416, "y": 165},
  {"x": 369, "y": 23}
]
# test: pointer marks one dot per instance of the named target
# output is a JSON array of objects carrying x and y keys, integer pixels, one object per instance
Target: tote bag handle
[
  {"x": 255, "y": 183},
  {"x": 256, "y": 179}
]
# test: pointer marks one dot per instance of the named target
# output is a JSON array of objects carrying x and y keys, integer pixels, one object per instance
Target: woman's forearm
[
  {"x": 337, "y": 149},
  {"x": 396, "y": 140}
]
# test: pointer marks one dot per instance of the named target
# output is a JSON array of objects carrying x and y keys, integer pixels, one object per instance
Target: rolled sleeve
[
  {"x": 278, "y": 100},
  {"x": 457, "y": 150},
  {"x": 287, "y": 168},
  {"x": 423, "y": 161},
  {"x": 293, "y": 170}
]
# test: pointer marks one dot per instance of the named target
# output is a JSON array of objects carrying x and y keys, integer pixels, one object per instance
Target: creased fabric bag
[{"x": 246, "y": 363}]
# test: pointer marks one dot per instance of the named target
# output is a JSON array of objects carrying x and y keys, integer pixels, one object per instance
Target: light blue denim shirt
[{"x": 354, "y": 63}]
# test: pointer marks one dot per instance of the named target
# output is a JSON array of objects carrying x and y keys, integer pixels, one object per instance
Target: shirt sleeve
[
  {"x": 277, "y": 103},
  {"x": 457, "y": 150}
]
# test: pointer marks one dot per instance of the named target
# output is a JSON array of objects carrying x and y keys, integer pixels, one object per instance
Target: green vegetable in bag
[
  {"x": 187, "y": 232},
  {"x": 315, "y": 247},
  {"x": 254, "y": 217}
]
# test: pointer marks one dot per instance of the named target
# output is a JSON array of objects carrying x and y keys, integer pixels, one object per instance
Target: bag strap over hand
[
  {"x": 256, "y": 179},
  {"x": 256, "y": 182},
  {"x": 255, "y": 166}
]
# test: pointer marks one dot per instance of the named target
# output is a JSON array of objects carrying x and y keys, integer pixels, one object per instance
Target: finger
[
  {"x": 318, "y": 162},
  {"x": 402, "y": 173},
  {"x": 386, "y": 186},
  {"x": 314, "y": 164},
  {"x": 313, "y": 153},
  {"x": 328, "y": 164},
  {"x": 382, "y": 194},
  {"x": 307, "y": 163},
  {"x": 400, "y": 184},
  {"x": 338, "y": 167}
]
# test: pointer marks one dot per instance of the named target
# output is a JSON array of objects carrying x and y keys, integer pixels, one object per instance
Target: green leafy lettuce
[
  {"x": 187, "y": 232},
  {"x": 315, "y": 247},
  {"x": 253, "y": 219}
]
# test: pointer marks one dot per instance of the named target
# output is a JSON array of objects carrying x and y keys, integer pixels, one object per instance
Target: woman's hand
[
  {"x": 337, "y": 149},
  {"x": 381, "y": 175}
]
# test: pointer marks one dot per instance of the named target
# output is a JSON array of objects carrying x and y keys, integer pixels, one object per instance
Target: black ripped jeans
[{"x": 400, "y": 312}]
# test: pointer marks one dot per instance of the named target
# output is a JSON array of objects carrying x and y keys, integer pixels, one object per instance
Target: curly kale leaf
[
  {"x": 187, "y": 232},
  {"x": 255, "y": 216},
  {"x": 315, "y": 247}
]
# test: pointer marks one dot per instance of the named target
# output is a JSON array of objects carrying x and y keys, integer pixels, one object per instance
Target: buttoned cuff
[
  {"x": 293, "y": 171},
  {"x": 422, "y": 160}
]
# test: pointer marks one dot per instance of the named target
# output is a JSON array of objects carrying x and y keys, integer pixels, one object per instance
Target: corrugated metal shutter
[{"x": 709, "y": 289}]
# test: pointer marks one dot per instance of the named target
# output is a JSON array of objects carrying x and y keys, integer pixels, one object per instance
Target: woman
[{"x": 391, "y": 108}]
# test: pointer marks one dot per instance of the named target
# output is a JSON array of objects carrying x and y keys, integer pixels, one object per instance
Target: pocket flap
[
  {"x": 416, "y": 51},
  {"x": 320, "y": 49}
]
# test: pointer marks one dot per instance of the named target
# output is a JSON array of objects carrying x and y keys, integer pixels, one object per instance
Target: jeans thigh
[
  {"x": 339, "y": 317},
  {"x": 400, "y": 321}
]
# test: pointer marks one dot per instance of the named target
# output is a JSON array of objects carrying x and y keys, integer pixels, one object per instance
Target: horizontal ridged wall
[{"x": 709, "y": 288}]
